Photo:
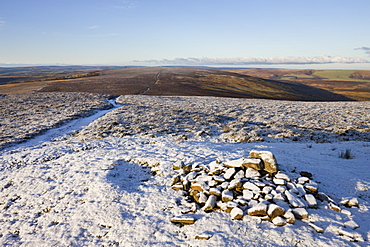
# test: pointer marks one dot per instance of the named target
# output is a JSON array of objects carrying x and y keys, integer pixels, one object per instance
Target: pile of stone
[{"x": 250, "y": 188}]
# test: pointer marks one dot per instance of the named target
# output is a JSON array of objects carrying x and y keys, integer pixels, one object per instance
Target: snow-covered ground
[{"x": 109, "y": 184}]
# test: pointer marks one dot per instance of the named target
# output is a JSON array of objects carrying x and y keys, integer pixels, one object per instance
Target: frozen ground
[
  {"x": 24, "y": 116},
  {"x": 109, "y": 184}
]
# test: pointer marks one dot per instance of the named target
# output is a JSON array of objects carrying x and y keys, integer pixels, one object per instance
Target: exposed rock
[
  {"x": 210, "y": 203},
  {"x": 227, "y": 196},
  {"x": 234, "y": 163},
  {"x": 253, "y": 163},
  {"x": 251, "y": 186},
  {"x": 178, "y": 165},
  {"x": 311, "y": 201},
  {"x": 258, "y": 210},
  {"x": 294, "y": 201},
  {"x": 269, "y": 161},
  {"x": 184, "y": 219},
  {"x": 275, "y": 210},
  {"x": 334, "y": 207},
  {"x": 251, "y": 173},
  {"x": 279, "y": 221},
  {"x": 300, "y": 213},
  {"x": 316, "y": 228},
  {"x": 236, "y": 213},
  {"x": 229, "y": 173},
  {"x": 204, "y": 236},
  {"x": 289, "y": 216}
]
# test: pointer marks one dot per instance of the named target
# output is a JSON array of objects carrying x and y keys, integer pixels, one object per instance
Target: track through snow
[{"x": 86, "y": 190}]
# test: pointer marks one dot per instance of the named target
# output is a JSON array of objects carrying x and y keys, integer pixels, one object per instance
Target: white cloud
[
  {"x": 256, "y": 60},
  {"x": 125, "y": 4}
]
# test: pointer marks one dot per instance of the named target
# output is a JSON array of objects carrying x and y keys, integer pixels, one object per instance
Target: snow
[{"x": 88, "y": 189}]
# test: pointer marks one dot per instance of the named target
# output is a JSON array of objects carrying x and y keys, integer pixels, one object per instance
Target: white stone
[
  {"x": 247, "y": 194},
  {"x": 279, "y": 221},
  {"x": 210, "y": 203},
  {"x": 202, "y": 198},
  {"x": 178, "y": 187},
  {"x": 234, "y": 163},
  {"x": 251, "y": 173},
  {"x": 303, "y": 180},
  {"x": 311, "y": 201},
  {"x": 183, "y": 219},
  {"x": 281, "y": 175},
  {"x": 229, "y": 173},
  {"x": 334, "y": 207},
  {"x": 239, "y": 174},
  {"x": 204, "y": 236},
  {"x": 236, "y": 213},
  {"x": 279, "y": 181},
  {"x": 316, "y": 228},
  {"x": 253, "y": 163},
  {"x": 311, "y": 186},
  {"x": 267, "y": 189},
  {"x": 235, "y": 183},
  {"x": 258, "y": 210},
  {"x": 269, "y": 161},
  {"x": 353, "y": 202},
  {"x": 300, "y": 213},
  {"x": 227, "y": 195},
  {"x": 215, "y": 191},
  {"x": 294, "y": 201},
  {"x": 251, "y": 186},
  {"x": 218, "y": 179},
  {"x": 289, "y": 216},
  {"x": 351, "y": 224},
  {"x": 275, "y": 210},
  {"x": 281, "y": 189}
]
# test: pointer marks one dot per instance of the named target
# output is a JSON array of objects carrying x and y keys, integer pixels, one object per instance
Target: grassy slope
[{"x": 350, "y": 83}]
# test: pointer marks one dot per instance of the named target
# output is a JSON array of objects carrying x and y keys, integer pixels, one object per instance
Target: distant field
[
  {"x": 282, "y": 84},
  {"x": 354, "y": 84}
]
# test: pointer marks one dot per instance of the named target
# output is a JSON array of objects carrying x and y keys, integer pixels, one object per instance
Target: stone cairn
[{"x": 250, "y": 188}]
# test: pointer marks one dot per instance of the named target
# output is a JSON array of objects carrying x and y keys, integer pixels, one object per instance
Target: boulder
[
  {"x": 210, "y": 203},
  {"x": 311, "y": 201},
  {"x": 251, "y": 173},
  {"x": 300, "y": 213},
  {"x": 279, "y": 221},
  {"x": 234, "y": 163},
  {"x": 227, "y": 195},
  {"x": 269, "y": 161},
  {"x": 229, "y": 173}
]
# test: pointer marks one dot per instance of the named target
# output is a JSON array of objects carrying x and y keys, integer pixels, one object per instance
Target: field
[
  {"x": 350, "y": 83},
  {"x": 267, "y": 84},
  {"x": 101, "y": 177}
]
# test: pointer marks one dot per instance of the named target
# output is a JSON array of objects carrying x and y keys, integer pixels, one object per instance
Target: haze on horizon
[{"x": 266, "y": 33}]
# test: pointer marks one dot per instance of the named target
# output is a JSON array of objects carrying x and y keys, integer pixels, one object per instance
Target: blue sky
[{"x": 212, "y": 32}]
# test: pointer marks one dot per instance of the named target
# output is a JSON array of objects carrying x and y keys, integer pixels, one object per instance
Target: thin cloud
[
  {"x": 125, "y": 4},
  {"x": 2, "y": 22},
  {"x": 93, "y": 27},
  {"x": 256, "y": 60},
  {"x": 365, "y": 49}
]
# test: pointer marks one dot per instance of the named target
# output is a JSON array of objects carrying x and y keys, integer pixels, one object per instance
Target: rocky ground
[
  {"x": 25, "y": 115},
  {"x": 234, "y": 120}
]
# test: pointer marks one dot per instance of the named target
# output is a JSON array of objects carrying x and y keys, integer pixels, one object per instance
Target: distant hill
[
  {"x": 354, "y": 84},
  {"x": 176, "y": 81}
]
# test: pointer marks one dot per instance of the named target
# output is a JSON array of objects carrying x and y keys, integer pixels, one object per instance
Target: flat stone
[
  {"x": 353, "y": 202},
  {"x": 294, "y": 201},
  {"x": 267, "y": 189},
  {"x": 351, "y": 224},
  {"x": 279, "y": 221},
  {"x": 229, "y": 173},
  {"x": 334, "y": 207},
  {"x": 253, "y": 163},
  {"x": 240, "y": 174},
  {"x": 204, "y": 236},
  {"x": 300, "y": 213},
  {"x": 303, "y": 180},
  {"x": 234, "y": 163},
  {"x": 178, "y": 187},
  {"x": 311, "y": 201},
  {"x": 183, "y": 219},
  {"x": 218, "y": 179},
  {"x": 311, "y": 186},
  {"x": 279, "y": 181},
  {"x": 251, "y": 173},
  {"x": 251, "y": 186},
  {"x": 258, "y": 210},
  {"x": 235, "y": 183},
  {"x": 281, "y": 175},
  {"x": 316, "y": 228}
]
